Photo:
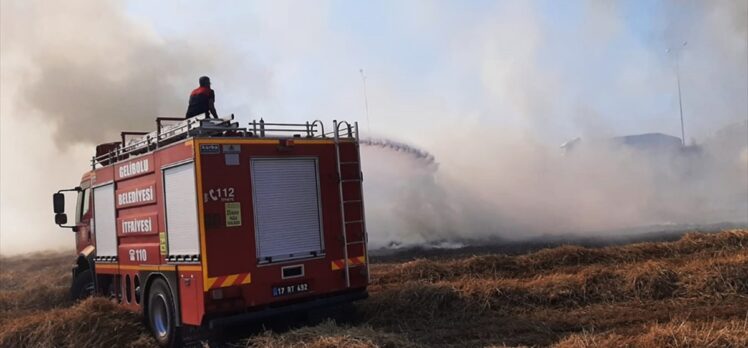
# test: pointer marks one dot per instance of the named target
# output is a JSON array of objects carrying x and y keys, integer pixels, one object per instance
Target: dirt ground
[{"x": 691, "y": 292}]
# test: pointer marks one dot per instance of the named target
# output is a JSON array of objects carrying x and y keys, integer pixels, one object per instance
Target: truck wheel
[
  {"x": 161, "y": 317},
  {"x": 83, "y": 285}
]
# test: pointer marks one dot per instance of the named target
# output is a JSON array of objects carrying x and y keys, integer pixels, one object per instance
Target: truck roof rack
[{"x": 173, "y": 129}]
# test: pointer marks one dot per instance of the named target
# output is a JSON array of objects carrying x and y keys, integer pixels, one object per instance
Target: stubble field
[{"x": 692, "y": 292}]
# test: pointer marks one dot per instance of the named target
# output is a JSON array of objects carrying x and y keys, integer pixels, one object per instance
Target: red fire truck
[{"x": 203, "y": 223}]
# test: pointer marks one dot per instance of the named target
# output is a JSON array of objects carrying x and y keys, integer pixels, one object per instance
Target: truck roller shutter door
[
  {"x": 181, "y": 210},
  {"x": 287, "y": 208},
  {"x": 105, "y": 227}
]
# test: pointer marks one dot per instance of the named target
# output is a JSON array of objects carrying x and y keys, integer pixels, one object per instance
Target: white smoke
[
  {"x": 515, "y": 190},
  {"x": 490, "y": 91},
  {"x": 501, "y": 173},
  {"x": 74, "y": 74}
]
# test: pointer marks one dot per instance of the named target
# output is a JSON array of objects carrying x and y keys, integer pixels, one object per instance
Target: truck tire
[
  {"x": 161, "y": 315},
  {"x": 83, "y": 285}
]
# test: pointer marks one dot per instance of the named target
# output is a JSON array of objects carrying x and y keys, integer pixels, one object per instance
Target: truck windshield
[{"x": 82, "y": 204}]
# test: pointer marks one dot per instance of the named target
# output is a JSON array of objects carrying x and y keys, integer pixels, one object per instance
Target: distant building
[{"x": 649, "y": 142}]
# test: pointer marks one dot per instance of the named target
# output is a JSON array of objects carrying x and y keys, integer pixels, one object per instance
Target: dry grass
[
  {"x": 35, "y": 309},
  {"x": 725, "y": 333},
  {"x": 329, "y": 335},
  {"x": 94, "y": 322},
  {"x": 688, "y": 293},
  {"x": 543, "y": 297},
  {"x": 33, "y": 283},
  {"x": 565, "y": 259}
]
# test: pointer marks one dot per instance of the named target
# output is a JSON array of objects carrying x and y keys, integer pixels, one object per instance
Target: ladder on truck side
[{"x": 348, "y": 201}]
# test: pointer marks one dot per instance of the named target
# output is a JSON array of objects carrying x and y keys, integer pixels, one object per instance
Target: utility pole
[
  {"x": 680, "y": 97},
  {"x": 680, "y": 104},
  {"x": 366, "y": 100}
]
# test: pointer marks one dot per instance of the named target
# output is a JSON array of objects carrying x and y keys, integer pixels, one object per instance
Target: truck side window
[
  {"x": 86, "y": 201},
  {"x": 83, "y": 204}
]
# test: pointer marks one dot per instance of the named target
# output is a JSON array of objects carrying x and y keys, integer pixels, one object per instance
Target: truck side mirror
[
  {"x": 58, "y": 203},
  {"x": 61, "y": 218},
  {"x": 58, "y": 200}
]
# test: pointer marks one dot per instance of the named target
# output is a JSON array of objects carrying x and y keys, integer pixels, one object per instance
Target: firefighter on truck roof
[{"x": 202, "y": 100}]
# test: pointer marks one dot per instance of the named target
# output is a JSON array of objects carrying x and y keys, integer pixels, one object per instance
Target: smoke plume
[
  {"x": 501, "y": 172},
  {"x": 516, "y": 190},
  {"x": 92, "y": 72},
  {"x": 76, "y": 74},
  {"x": 478, "y": 97}
]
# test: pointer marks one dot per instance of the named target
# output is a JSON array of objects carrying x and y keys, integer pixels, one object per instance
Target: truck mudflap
[{"x": 287, "y": 309}]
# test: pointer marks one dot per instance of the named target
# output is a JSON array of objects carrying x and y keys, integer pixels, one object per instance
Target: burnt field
[{"x": 690, "y": 291}]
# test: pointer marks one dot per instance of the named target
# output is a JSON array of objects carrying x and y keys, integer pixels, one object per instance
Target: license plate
[{"x": 290, "y": 289}]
